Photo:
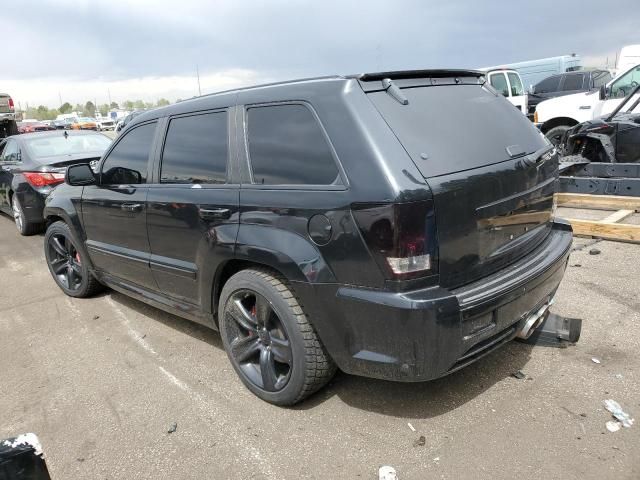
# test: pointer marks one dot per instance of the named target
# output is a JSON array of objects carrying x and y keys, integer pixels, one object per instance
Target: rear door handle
[
  {"x": 131, "y": 207},
  {"x": 214, "y": 213}
]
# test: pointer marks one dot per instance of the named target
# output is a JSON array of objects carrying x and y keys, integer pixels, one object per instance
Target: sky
[{"x": 79, "y": 50}]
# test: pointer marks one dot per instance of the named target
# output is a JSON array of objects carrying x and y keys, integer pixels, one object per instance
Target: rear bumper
[
  {"x": 32, "y": 203},
  {"x": 7, "y": 117},
  {"x": 425, "y": 334}
]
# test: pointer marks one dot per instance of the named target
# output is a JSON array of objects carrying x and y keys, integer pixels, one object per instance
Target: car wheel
[
  {"x": 25, "y": 227},
  {"x": 67, "y": 264},
  {"x": 269, "y": 340},
  {"x": 556, "y": 134}
]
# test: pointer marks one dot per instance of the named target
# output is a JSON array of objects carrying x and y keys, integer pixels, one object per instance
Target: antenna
[{"x": 198, "y": 75}]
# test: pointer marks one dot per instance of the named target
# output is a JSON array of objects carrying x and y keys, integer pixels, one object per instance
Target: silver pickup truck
[{"x": 8, "y": 124}]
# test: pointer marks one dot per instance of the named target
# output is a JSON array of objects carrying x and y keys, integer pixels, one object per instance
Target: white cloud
[{"x": 47, "y": 91}]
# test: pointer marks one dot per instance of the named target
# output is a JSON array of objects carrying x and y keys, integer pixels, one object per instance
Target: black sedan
[{"x": 33, "y": 164}]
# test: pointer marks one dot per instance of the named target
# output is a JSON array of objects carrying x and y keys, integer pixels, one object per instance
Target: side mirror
[
  {"x": 603, "y": 93},
  {"x": 79, "y": 175}
]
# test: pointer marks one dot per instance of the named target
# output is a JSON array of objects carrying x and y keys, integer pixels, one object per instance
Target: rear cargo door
[
  {"x": 4, "y": 104},
  {"x": 492, "y": 174}
]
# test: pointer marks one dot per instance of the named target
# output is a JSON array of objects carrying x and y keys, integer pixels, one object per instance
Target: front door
[
  {"x": 114, "y": 212},
  {"x": 193, "y": 206}
]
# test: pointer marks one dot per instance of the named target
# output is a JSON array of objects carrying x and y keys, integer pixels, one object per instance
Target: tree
[
  {"x": 90, "y": 109},
  {"x": 139, "y": 104},
  {"x": 104, "y": 109},
  {"x": 114, "y": 106},
  {"x": 162, "y": 102},
  {"x": 65, "y": 107},
  {"x": 128, "y": 105}
]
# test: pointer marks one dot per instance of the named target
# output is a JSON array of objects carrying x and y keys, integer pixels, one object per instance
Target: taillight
[
  {"x": 11, "y": 107},
  {"x": 401, "y": 237},
  {"x": 43, "y": 179}
]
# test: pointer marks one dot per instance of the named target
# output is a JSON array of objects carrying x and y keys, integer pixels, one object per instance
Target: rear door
[
  {"x": 115, "y": 213},
  {"x": 193, "y": 205},
  {"x": 493, "y": 191}
]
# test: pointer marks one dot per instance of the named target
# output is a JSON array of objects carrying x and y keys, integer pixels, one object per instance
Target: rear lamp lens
[
  {"x": 43, "y": 179},
  {"x": 401, "y": 237}
]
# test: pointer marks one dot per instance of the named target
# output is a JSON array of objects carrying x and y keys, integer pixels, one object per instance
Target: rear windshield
[
  {"x": 448, "y": 129},
  {"x": 93, "y": 145}
]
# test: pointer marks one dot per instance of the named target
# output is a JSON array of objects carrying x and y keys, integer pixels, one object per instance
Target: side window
[
  {"x": 2, "y": 145},
  {"x": 548, "y": 85},
  {"x": 573, "y": 82},
  {"x": 196, "y": 150},
  {"x": 11, "y": 152},
  {"x": 499, "y": 82},
  {"x": 287, "y": 147},
  {"x": 623, "y": 85},
  {"x": 516, "y": 84},
  {"x": 601, "y": 78},
  {"x": 127, "y": 162}
]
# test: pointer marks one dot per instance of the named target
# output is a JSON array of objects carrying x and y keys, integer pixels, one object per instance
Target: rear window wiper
[{"x": 393, "y": 90}]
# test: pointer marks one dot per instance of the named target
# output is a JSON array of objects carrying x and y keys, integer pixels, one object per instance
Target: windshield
[
  {"x": 85, "y": 119},
  {"x": 94, "y": 145}
]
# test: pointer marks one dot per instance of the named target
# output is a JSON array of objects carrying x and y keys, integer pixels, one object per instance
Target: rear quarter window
[
  {"x": 287, "y": 146},
  {"x": 446, "y": 129}
]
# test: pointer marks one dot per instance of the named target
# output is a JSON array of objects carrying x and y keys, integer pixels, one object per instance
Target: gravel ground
[{"x": 102, "y": 380}]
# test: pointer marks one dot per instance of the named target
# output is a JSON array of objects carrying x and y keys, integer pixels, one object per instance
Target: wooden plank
[
  {"x": 609, "y": 231},
  {"x": 598, "y": 202},
  {"x": 615, "y": 217}
]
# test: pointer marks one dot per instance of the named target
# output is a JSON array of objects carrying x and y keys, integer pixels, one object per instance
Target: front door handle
[
  {"x": 131, "y": 207},
  {"x": 214, "y": 213}
]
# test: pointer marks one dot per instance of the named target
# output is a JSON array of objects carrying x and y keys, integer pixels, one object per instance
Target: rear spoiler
[
  {"x": 404, "y": 74},
  {"x": 375, "y": 82}
]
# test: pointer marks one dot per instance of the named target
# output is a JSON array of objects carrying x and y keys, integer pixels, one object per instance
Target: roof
[{"x": 398, "y": 74}]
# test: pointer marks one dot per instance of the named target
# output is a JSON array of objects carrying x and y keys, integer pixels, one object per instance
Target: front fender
[
  {"x": 65, "y": 203},
  {"x": 292, "y": 255}
]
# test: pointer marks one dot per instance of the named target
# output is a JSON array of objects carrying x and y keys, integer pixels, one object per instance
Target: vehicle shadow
[
  {"x": 427, "y": 399},
  {"x": 402, "y": 400}
]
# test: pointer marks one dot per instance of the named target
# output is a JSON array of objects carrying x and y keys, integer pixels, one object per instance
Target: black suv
[
  {"x": 566, "y": 84},
  {"x": 396, "y": 225}
]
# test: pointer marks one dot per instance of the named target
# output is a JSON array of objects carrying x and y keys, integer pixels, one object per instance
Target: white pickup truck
[{"x": 557, "y": 115}]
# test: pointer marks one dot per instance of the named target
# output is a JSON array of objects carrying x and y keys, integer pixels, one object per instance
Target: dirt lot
[{"x": 102, "y": 380}]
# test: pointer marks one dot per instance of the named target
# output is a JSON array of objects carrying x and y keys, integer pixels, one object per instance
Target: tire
[
  {"x": 556, "y": 133},
  {"x": 297, "y": 372},
  {"x": 25, "y": 227},
  {"x": 65, "y": 261},
  {"x": 12, "y": 128}
]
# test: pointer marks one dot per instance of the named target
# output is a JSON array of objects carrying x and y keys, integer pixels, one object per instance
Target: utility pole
[
  {"x": 109, "y": 94},
  {"x": 60, "y": 97},
  {"x": 198, "y": 75}
]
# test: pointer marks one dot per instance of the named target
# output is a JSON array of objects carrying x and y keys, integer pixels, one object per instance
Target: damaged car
[{"x": 614, "y": 138}]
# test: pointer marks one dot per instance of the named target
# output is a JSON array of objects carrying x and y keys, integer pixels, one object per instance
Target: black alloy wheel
[
  {"x": 272, "y": 345},
  {"x": 258, "y": 340},
  {"x": 64, "y": 261}
]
